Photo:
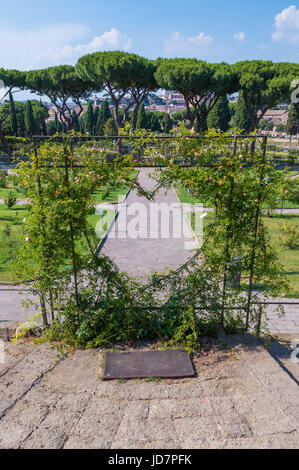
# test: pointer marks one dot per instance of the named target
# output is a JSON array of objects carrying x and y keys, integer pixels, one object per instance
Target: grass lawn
[
  {"x": 111, "y": 195},
  {"x": 10, "y": 187},
  {"x": 290, "y": 173},
  {"x": 101, "y": 195},
  {"x": 289, "y": 205},
  {"x": 14, "y": 219},
  {"x": 187, "y": 198},
  {"x": 289, "y": 258}
]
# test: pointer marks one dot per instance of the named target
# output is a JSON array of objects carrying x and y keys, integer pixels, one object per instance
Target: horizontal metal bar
[{"x": 170, "y": 137}]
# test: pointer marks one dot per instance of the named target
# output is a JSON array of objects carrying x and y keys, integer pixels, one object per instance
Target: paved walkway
[
  {"x": 149, "y": 254},
  {"x": 241, "y": 398}
]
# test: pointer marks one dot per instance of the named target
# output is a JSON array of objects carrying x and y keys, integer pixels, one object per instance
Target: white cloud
[
  {"x": 240, "y": 36},
  {"x": 54, "y": 45},
  {"x": 178, "y": 43},
  {"x": 110, "y": 40},
  {"x": 287, "y": 26}
]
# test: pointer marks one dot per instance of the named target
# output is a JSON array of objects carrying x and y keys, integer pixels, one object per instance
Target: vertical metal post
[
  {"x": 259, "y": 321},
  {"x": 72, "y": 236},
  {"x": 256, "y": 225},
  {"x": 39, "y": 185}
]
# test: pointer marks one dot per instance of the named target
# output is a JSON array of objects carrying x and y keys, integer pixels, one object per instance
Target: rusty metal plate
[{"x": 169, "y": 364}]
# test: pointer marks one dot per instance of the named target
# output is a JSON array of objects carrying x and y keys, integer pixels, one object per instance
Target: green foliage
[
  {"x": 10, "y": 199},
  {"x": 200, "y": 83},
  {"x": 61, "y": 202},
  {"x": 266, "y": 125},
  {"x": 292, "y": 126},
  {"x": 40, "y": 113},
  {"x": 3, "y": 178},
  {"x": 110, "y": 128},
  {"x": 241, "y": 119},
  {"x": 61, "y": 85},
  {"x": 13, "y": 117},
  {"x": 51, "y": 127},
  {"x": 264, "y": 85},
  {"x": 153, "y": 122},
  {"x": 290, "y": 236},
  {"x": 220, "y": 115},
  {"x": 103, "y": 117},
  {"x": 76, "y": 125},
  {"x": 6, "y": 231},
  {"x": 142, "y": 120},
  {"x": 167, "y": 124},
  {"x": 281, "y": 128},
  {"x": 89, "y": 119},
  {"x": 291, "y": 191},
  {"x": 93, "y": 303},
  {"x": 119, "y": 74},
  {"x": 30, "y": 124}
]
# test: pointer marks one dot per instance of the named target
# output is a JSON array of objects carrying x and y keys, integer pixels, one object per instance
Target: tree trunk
[{"x": 135, "y": 113}]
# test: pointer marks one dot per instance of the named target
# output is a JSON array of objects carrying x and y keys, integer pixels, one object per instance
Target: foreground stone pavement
[{"x": 241, "y": 398}]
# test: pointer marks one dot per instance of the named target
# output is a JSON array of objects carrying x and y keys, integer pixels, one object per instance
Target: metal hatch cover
[{"x": 167, "y": 364}]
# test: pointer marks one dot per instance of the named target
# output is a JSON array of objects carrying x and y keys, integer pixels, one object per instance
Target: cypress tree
[
  {"x": 142, "y": 122},
  {"x": 241, "y": 119},
  {"x": 167, "y": 123},
  {"x": 13, "y": 116},
  {"x": 220, "y": 115},
  {"x": 81, "y": 124},
  {"x": 292, "y": 125},
  {"x": 44, "y": 127},
  {"x": 57, "y": 124},
  {"x": 154, "y": 123},
  {"x": 30, "y": 124},
  {"x": 51, "y": 128},
  {"x": 95, "y": 119},
  {"x": 110, "y": 128},
  {"x": 89, "y": 121},
  {"x": 20, "y": 112},
  {"x": 76, "y": 125},
  {"x": 104, "y": 115}
]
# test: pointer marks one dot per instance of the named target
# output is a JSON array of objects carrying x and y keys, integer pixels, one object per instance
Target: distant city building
[
  {"x": 165, "y": 108},
  {"x": 277, "y": 116}
]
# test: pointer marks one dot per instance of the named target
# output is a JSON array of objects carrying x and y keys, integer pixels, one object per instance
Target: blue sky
[{"x": 35, "y": 34}]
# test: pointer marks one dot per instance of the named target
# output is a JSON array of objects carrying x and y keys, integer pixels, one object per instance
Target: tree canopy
[
  {"x": 119, "y": 74},
  {"x": 14, "y": 80},
  {"x": 61, "y": 85},
  {"x": 200, "y": 83},
  {"x": 127, "y": 80},
  {"x": 264, "y": 85}
]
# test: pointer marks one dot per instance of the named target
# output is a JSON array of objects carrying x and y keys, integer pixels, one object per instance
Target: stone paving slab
[
  {"x": 20, "y": 378},
  {"x": 241, "y": 398}
]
